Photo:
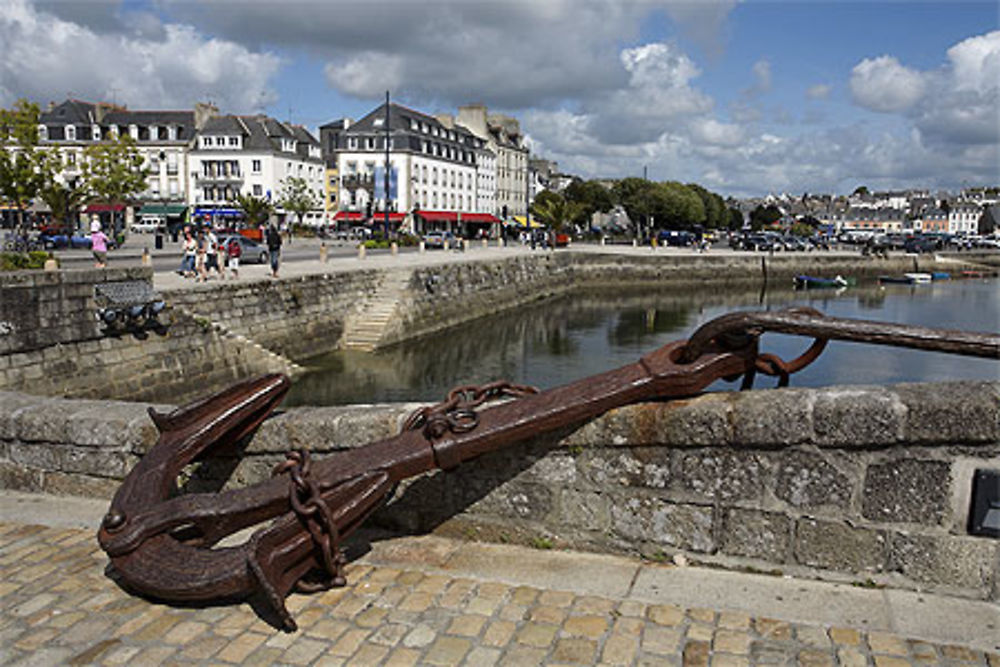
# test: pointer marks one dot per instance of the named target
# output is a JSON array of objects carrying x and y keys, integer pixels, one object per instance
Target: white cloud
[
  {"x": 820, "y": 91},
  {"x": 47, "y": 58},
  {"x": 761, "y": 78},
  {"x": 883, "y": 84}
]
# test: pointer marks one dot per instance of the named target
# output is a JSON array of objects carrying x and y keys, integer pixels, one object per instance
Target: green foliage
[
  {"x": 861, "y": 190},
  {"x": 590, "y": 197},
  {"x": 256, "y": 210},
  {"x": 763, "y": 216},
  {"x": 716, "y": 215},
  {"x": 63, "y": 200},
  {"x": 22, "y": 162},
  {"x": 296, "y": 197},
  {"x": 553, "y": 210},
  {"x": 802, "y": 229},
  {"x": 735, "y": 219},
  {"x": 113, "y": 171},
  {"x": 542, "y": 542},
  {"x": 16, "y": 261}
]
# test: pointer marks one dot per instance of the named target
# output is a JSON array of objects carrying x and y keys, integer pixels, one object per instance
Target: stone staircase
[{"x": 365, "y": 329}]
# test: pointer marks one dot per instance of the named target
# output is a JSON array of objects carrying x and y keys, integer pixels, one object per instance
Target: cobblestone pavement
[{"x": 57, "y": 606}]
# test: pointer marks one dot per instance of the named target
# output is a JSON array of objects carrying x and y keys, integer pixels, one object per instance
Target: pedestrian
[
  {"x": 233, "y": 253},
  {"x": 98, "y": 245},
  {"x": 273, "y": 237},
  {"x": 199, "y": 261},
  {"x": 212, "y": 254},
  {"x": 189, "y": 248}
]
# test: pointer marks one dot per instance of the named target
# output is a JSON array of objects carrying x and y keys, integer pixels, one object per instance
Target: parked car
[
  {"x": 437, "y": 239},
  {"x": 795, "y": 243},
  {"x": 921, "y": 244},
  {"x": 148, "y": 225},
  {"x": 252, "y": 252},
  {"x": 674, "y": 237}
]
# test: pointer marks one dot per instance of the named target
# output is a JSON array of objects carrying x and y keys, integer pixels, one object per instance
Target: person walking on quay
[
  {"x": 199, "y": 261},
  {"x": 233, "y": 252},
  {"x": 273, "y": 237},
  {"x": 190, "y": 248},
  {"x": 212, "y": 254},
  {"x": 98, "y": 245}
]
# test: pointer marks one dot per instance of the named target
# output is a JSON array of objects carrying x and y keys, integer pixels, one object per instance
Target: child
[{"x": 233, "y": 252}]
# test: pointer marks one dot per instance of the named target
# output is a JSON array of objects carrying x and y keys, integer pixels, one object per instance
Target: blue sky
[{"x": 745, "y": 97}]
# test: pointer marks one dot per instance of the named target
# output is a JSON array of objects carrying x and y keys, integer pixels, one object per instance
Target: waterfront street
[{"x": 432, "y": 601}]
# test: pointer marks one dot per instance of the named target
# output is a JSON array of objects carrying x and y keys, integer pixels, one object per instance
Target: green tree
[
  {"x": 715, "y": 208},
  {"x": 113, "y": 172},
  {"x": 554, "y": 210},
  {"x": 296, "y": 197},
  {"x": 676, "y": 206},
  {"x": 636, "y": 196},
  {"x": 256, "y": 210},
  {"x": 590, "y": 197},
  {"x": 735, "y": 219},
  {"x": 861, "y": 190},
  {"x": 63, "y": 200},
  {"x": 763, "y": 216},
  {"x": 22, "y": 162}
]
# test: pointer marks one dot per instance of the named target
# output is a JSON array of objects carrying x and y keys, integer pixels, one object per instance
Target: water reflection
[{"x": 561, "y": 340}]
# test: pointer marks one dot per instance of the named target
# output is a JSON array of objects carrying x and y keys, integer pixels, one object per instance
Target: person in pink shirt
[{"x": 98, "y": 245}]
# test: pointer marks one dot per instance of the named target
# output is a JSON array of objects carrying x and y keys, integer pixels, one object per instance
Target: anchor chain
[
  {"x": 308, "y": 504},
  {"x": 457, "y": 413}
]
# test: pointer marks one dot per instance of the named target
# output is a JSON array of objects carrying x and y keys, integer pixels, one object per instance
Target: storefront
[
  {"x": 464, "y": 225},
  {"x": 171, "y": 215}
]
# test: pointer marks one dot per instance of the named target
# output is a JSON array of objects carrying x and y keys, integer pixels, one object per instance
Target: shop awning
[
  {"x": 357, "y": 216},
  {"x": 167, "y": 210},
  {"x": 219, "y": 212},
  {"x": 453, "y": 216},
  {"x": 104, "y": 208},
  {"x": 521, "y": 221}
]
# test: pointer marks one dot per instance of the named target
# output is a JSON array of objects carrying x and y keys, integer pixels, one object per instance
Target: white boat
[{"x": 918, "y": 278}]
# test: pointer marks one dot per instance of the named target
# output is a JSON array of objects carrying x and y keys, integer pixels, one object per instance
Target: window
[
  {"x": 43, "y": 132},
  {"x": 255, "y": 166},
  {"x": 234, "y": 141},
  {"x": 352, "y": 142},
  {"x": 258, "y": 190},
  {"x": 70, "y": 133},
  {"x": 95, "y": 132},
  {"x": 174, "y": 189}
]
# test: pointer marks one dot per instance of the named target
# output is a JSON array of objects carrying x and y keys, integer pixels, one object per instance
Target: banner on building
[{"x": 380, "y": 183}]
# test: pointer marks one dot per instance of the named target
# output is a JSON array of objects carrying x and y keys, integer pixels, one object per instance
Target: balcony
[
  {"x": 353, "y": 181},
  {"x": 211, "y": 177}
]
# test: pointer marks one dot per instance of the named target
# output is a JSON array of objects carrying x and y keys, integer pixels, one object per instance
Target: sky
[{"x": 744, "y": 97}]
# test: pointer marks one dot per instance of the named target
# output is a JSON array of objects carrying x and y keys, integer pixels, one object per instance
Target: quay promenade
[{"x": 432, "y": 601}]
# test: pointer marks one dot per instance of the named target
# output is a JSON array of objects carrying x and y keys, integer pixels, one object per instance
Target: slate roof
[
  {"x": 84, "y": 115},
  {"x": 261, "y": 133}
]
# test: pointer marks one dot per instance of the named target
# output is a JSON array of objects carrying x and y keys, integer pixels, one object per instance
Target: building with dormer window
[
  {"x": 162, "y": 138},
  {"x": 252, "y": 155}
]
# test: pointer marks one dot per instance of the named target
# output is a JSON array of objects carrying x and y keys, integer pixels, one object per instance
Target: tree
[
  {"x": 553, "y": 210},
  {"x": 256, "y": 210},
  {"x": 22, "y": 162},
  {"x": 735, "y": 219},
  {"x": 715, "y": 207},
  {"x": 861, "y": 190},
  {"x": 676, "y": 206},
  {"x": 635, "y": 195},
  {"x": 63, "y": 200},
  {"x": 762, "y": 217},
  {"x": 590, "y": 197},
  {"x": 113, "y": 172},
  {"x": 296, "y": 197}
]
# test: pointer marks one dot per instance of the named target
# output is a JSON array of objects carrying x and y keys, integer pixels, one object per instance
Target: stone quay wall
[
  {"x": 51, "y": 343},
  {"x": 869, "y": 485}
]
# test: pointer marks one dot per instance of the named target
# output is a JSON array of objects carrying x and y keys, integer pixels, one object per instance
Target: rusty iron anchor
[{"x": 166, "y": 546}]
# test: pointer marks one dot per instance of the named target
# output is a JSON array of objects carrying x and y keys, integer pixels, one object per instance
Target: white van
[{"x": 149, "y": 224}]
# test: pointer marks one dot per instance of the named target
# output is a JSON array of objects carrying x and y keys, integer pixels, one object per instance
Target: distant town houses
[
  {"x": 965, "y": 213},
  {"x": 199, "y": 161}
]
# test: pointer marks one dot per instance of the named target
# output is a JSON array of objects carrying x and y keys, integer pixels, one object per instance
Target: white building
[
  {"x": 503, "y": 136},
  {"x": 963, "y": 218},
  {"x": 252, "y": 155},
  {"x": 163, "y": 138},
  {"x": 439, "y": 170}
]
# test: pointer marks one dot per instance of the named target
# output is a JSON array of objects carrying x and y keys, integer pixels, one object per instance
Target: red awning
[
  {"x": 104, "y": 208},
  {"x": 357, "y": 216},
  {"x": 452, "y": 216}
]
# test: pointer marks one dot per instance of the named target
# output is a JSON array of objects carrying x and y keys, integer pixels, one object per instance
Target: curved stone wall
[{"x": 864, "y": 484}]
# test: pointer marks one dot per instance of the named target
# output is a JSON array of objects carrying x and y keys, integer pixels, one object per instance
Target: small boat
[
  {"x": 940, "y": 275},
  {"x": 973, "y": 274},
  {"x": 918, "y": 278},
  {"x": 906, "y": 279},
  {"x": 814, "y": 282}
]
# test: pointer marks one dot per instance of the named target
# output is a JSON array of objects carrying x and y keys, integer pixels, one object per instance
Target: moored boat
[{"x": 815, "y": 282}]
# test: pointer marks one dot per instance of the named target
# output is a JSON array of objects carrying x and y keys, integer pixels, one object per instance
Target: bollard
[
  {"x": 465, "y": 245},
  {"x": 146, "y": 259},
  {"x": 423, "y": 247},
  {"x": 322, "y": 252},
  {"x": 447, "y": 245},
  {"x": 394, "y": 248},
  {"x": 51, "y": 264},
  {"x": 485, "y": 244},
  {"x": 604, "y": 240},
  {"x": 501, "y": 242},
  {"x": 635, "y": 243},
  {"x": 361, "y": 251}
]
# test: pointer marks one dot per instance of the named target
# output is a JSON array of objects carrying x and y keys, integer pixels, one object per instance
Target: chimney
[
  {"x": 446, "y": 119},
  {"x": 202, "y": 112},
  {"x": 473, "y": 117}
]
